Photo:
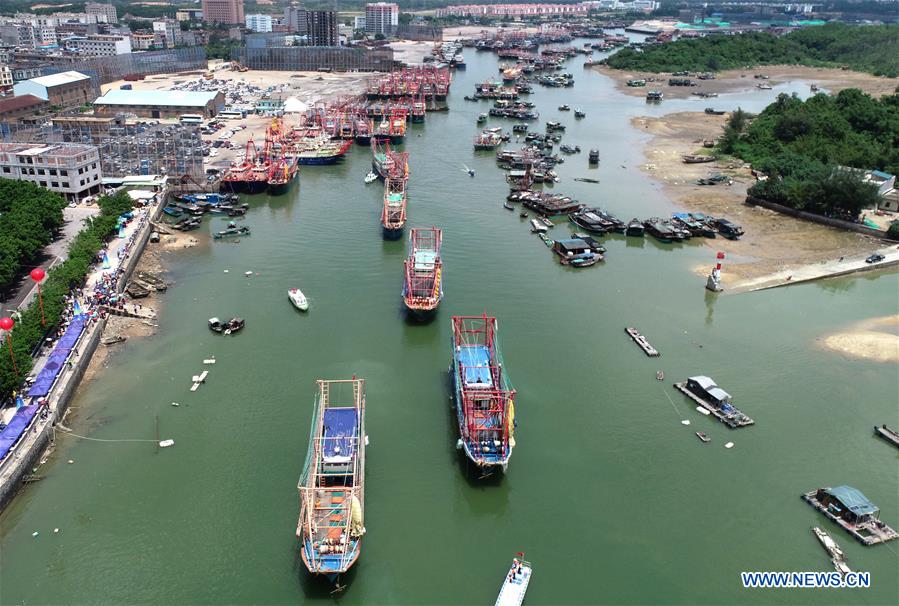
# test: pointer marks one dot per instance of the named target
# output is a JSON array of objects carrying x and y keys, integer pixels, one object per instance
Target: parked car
[{"x": 875, "y": 258}]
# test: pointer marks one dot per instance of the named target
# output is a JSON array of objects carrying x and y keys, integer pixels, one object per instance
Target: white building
[
  {"x": 107, "y": 10},
  {"x": 69, "y": 169},
  {"x": 359, "y": 22},
  {"x": 5, "y": 78},
  {"x": 142, "y": 41},
  {"x": 259, "y": 23},
  {"x": 381, "y": 18},
  {"x": 101, "y": 45},
  {"x": 167, "y": 32}
]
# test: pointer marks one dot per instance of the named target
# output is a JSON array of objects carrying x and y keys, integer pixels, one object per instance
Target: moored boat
[
  {"x": 423, "y": 279},
  {"x": 485, "y": 408},
  {"x": 634, "y": 228},
  {"x": 332, "y": 485}
]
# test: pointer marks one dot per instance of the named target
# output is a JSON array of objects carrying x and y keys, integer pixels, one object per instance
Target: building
[
  {"x": 847, "y": 503},
  {"x": 228, "y": 12},
  {"x": 167, "y": 33},
  {"x": 142, "y": 41},
  {"x": 705, "y": 388},
  {"x": 259, "y": 23},
  {"x": 189, "y": 14},
  {"x": 295, "y": 19},
  {"x": 359, "y": 22},
  {"x": 106, "y": 10},
  {"x": 69, "y": 169},
  {"x": 159, "y": 103},
  {"x": 513, "y": 10},
  {"x": 5, "y": 78},
  {"x": 100, "y": 45},
  {"x": 66, "y": 89},
  {"x": 14, "y": 109},
  {"x": 321, "y": 28},
  {"x": 381, "y": 18},
  {"x": 19, "y": 34}
]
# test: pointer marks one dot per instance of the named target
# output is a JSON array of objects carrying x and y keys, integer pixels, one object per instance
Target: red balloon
[
  {"x": 37, "y": 274},
  {"x": 6, "y": 323}
]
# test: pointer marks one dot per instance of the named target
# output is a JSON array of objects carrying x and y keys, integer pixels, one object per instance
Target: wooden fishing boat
[
  {"x": 332, "y": 485},
  {"x": 696, "y": 159},
  {"x": 484, "y": 398}
]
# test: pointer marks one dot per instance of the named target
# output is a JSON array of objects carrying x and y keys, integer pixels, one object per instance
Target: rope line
[{"x": 69, "y": 433}]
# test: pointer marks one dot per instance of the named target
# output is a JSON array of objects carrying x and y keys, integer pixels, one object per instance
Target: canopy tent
[
  {"x": 294, "y": 106},
  {"x": 47, "y": 376},
  {"x": 12, "y": 432}
]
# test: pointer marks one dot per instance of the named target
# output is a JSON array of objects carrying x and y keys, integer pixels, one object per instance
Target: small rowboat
[
  {"x": 298, "y": 299},
  {"x": 703, "y": 436},
  {"x": 516, "y": 582},
  {"x": 508, "y": 206}
]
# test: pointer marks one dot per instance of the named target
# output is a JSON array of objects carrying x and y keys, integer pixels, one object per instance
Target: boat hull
[
  {"x": 318, "y": 160},
  {"x": 392, "y": 233},
  {"x": 418, "y": 118},
  {"x": 255, "y": 187},
  {"x": 397, "y": 139},
  {"x": 363, "y": 140},
  {"x": 232, "y": 187},
  {"x": 276, "y": 189}
]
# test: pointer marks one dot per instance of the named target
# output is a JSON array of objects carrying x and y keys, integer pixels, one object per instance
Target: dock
[
  {"x": 734, "y": 419},
  {"x": 642, "y": 343},
  {"x": 887, "y": 434}
]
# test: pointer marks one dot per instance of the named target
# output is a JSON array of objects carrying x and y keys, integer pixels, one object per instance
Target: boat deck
[
  {"x": 869, "y": 533},
  {"x": 514, "y": 587},
  {"x": 733, "y": 418},
  {"x": 641, "y": 341}
]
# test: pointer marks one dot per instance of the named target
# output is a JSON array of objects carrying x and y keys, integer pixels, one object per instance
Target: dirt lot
[
  {"x": 830, "y": 80},
  {"x": 773, "y": 242}
]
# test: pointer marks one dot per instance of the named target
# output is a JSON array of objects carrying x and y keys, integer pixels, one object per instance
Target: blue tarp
[
  {"x": 339, "y": 432},
  {"x": 57, "y": 358},
  {"x": 475, "y": 361},
  {"x": 12, "y": 432}
]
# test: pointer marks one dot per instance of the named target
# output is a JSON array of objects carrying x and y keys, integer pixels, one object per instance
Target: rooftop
[
  {"x": 59, "y": 79},
  {"x": 853, "y": 499},
  {"x": 162, "y": 98},
  {"x": 14, "y": 103},
  {"x": 30, "y": 149}
]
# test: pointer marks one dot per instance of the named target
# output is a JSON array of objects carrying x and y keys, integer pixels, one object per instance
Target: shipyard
[{"x": 464, "y": 205}]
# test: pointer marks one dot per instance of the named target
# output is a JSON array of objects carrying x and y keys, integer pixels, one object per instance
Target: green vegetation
[
  {"x": 800, "y": 145},
  {"x": 873, "y": 49},
  {"x": 28, "y": 332},
  {"x": 29, "y": 215}
]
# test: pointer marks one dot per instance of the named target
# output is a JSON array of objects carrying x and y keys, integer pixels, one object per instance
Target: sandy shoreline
[
  {"x": 773, "y": 242},
  {"x": 876, "y": 340},
  {"x": 741, "y": 80}
]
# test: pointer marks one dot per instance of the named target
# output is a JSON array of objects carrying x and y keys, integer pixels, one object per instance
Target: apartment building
[
  {"x": 106, "y": 10},
  {"x": 321, "y": 28},
  {"x": 229, "y": 12},
  {"x": 381, "y": 18},
  {"x": 101, "y": 45},
  {"x": 259, "y": 23},
  {"x": 72, "y": 170}
]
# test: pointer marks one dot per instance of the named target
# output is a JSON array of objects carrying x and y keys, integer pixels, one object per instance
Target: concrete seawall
[{"x": 24, "y": 455}]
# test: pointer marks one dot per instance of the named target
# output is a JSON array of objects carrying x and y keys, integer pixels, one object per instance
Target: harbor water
[{"x": 612, "y": 498}]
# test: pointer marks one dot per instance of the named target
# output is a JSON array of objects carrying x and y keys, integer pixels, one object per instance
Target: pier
[
  {"x": 642, "y": 343},
  {"x": 734, "y": 419}
]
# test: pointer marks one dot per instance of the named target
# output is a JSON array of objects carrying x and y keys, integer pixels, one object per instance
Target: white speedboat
[
  {"x": 515, "y": 584},
  {"x": 370, "y": 177},
  {"x": 298, "y": 299}
]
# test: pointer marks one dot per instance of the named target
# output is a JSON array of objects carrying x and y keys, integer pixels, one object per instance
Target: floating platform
[
  {"x": 869, "y": 532},
  {"x": 734, "y": 419},
  {"x": 887, "y": 434},
  {"x": 642, "y": 343}
]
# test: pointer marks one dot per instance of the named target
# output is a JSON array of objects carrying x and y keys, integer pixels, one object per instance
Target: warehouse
[
  {"x": 66, "y": 89},
  {"x": 160, "y": 103}
]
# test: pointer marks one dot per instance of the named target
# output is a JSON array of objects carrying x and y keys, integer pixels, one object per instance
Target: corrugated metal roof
[
  {"x": 61, "y": 78},
  {"x": 162, "y": 98},
  {"x": 703, "y": 381},
  {"x": 853, "y": 499}
]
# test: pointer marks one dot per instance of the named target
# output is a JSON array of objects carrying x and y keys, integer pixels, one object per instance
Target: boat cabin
[
  {"x": 848, "y": 503},
  {"x": 338, "y": 441}
]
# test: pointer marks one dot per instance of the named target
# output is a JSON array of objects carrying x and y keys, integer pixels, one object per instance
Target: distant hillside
[{"x": 873, "y": 49}]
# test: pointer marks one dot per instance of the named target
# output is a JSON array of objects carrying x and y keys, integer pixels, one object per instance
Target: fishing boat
[
  {"x": 226, "y": 328},
  {"x": 487, "y": 140},
  {"x": 661, "y": 230},
  {"x": 231, "y": 231},
  {"x": 423, "y": 279},
  {"x": 380, "y": 159},
  {"x": 554, "y": 126},
  {"x": 516, "y": 582},
  {"x": 332, "y": 485},
  {"x": 364, "y": 128},
  {"x": 634, "y": 228},
  {"x": 484, "y": 398},
  {"x": 282, "y": 175},
  {"x": 654, "y": 95},
  {"x": 397, "y": 127},
  {"x": 580, "y": 114},
  {"x": 564, "y": 108},
  {"x": 482, "y": 119},
  {"x": 298, "y": 299},
  {"x": 697, "y": 159},
  {"x": 714, "y": 112},
  {"x": 172, "y": 211},
  {"x": 393, "y": 213},
  {"x": 597, "y": 220},
  {"x": 593, "y": 158},
  {"x": 318, "y": 150},
  {"x": 702, "y": 436},
  {"x": 538, "y": 227}
]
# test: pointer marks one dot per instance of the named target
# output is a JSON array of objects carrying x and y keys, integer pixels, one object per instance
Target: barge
[
  {"x": 423, "y": 278},
  {"x": 887, "y": 434},
  {"x": 708, "y": 395},
  {"x": 642, "y": 343},
  {"x": 332, "y": 485},
  {"x": 848, "y": 508},
  {"x": 485, "y": 409}
]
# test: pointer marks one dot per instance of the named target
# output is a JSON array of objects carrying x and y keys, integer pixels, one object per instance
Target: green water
[{"x": 613, "y": 500}]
